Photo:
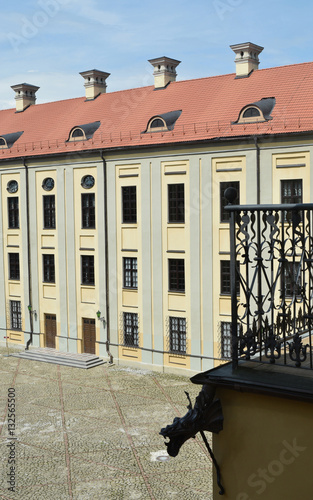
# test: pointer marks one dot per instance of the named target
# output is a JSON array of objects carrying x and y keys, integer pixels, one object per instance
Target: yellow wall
[
  {"x": 223, "y": 170},
  {"x": 265, "y": 449},
  {"x": 12, "y": 243}
]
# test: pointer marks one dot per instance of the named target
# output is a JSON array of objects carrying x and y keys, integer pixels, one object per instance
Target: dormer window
[
  {"x": 259, "y": 111},
  {"x": 77, "y": 135},
  {"x": 157, "y": 125},
  {"x": 3, "y": 143},
  {"x": 163, "y": 122},
  {"x": 83, "y": 132},
  {"x": 7, "y": 140},
  {"x": 251, "y": 114}
]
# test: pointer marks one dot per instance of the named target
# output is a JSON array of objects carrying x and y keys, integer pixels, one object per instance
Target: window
[
  {"x": 176, "y": 203},
  {"x": 48, "y": 268},
  {"x": 13, "y": 213},
  {"x": 77, "y": 134},
  {"x": 177, "y": 334},
  {"x": 176, "y": 271},
  {"x": 292, "y": 278},
  {"x": 130, "y": 272},
  {"x": 49, "y": 211},
  {"x": 88, "y": 270},
  {"x": 226, "y": 340},
  {"x": 225, "y": 278},
  {"x": 130, "y": 329},
  {"x": 3, "y": 143},
  {"x": 224, "y": 215},
  {"x": 88, "y": 211},
  {"x": 129, "y": 204},
  {"x": 14, "y": 266},
  {"x": 250, "y": 113},
  {"x": 291, "y": 191},
  {"x": 16, "y": 315}
]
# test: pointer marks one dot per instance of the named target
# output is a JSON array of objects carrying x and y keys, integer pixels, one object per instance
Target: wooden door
[
  {"x": 50, "y": 329},
  {"x": 89, "y": 336}
]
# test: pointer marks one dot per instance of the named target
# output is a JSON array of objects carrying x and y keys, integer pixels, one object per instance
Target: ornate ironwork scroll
[{"x": 272, "y": 261}]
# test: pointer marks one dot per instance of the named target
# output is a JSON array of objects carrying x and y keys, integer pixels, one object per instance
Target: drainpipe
[
  {"x": 30, "y": 340},
  {"x": 258, "y": 187},
  {"x": 106, "y": 258}
]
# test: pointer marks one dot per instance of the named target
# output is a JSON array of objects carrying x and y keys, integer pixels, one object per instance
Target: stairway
[{"x": 48, "y": 355}]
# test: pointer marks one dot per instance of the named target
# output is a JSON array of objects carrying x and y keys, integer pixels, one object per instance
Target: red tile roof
[{"x": 209, "y": 107}]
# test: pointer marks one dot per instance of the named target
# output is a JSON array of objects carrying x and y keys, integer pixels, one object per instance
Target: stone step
[{"x": 47, "y": 355}]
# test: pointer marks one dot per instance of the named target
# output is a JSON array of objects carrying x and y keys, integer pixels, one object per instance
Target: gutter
[
  {"x": 30, "y": 340},
  {"x": 106, "y": 258},
  {"x": 258, "y": 187}
]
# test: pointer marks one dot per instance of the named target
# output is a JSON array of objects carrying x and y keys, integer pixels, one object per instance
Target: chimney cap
[
  {"x": 24, "y": 86},
  {"x": 94, "y": 73},
  {"x": 247, "y": 58},
  {"x": 164, "y": 71}
]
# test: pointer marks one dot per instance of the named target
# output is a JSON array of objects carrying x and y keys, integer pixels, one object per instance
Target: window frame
[
  {"x": 130, "y": 274},
  {"x": 131, "y": 337},
  {"x": 225, "y": 284},
  {"x": 48, "y": 268},
  {"x": 290, "y": 198},
  {"x": 13, "y": 213},
  {"x": 129, "y": 205},
  {"x": 14, "y": 267},
  {"x": 176, "y": 275},
  {"x": 15, "y": 315},
  {"x": 225, "y": 216},
  {"x": 49, "y": 211},
  {"x": 175, "y": 214},
  {"x": 88, "y": 212},
  {"x": 178, "y": 329},
  {"x": 88, "y": 270}
]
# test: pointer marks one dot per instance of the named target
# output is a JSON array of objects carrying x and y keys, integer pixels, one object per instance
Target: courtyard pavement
[{"x": 94, "y": 434}]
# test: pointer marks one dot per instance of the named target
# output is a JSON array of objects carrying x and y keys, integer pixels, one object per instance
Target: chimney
[
  {"x": 164, "y": 71},
  {"x": 25, "y": 95},
  {"x": 95, "y": 83},
  {"x": 247, "y": 58}
]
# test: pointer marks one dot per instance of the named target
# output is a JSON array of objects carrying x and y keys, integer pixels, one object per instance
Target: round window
[
  {"x": 88, "y": 181},
  {"x": 12, "y": 186},
  {"x": 48, "y": 184}
]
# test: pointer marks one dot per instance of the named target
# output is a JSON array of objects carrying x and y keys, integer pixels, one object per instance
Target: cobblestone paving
[{"x": 94, "y": 434}]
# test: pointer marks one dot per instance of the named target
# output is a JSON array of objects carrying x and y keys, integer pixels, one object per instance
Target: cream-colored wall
[
  {"x": 12, "y": 243},
  {"x": 47, "y": 243},
  {"x": 224, "y": 169},
  {"x": 176, "y": 245},
  {"x": 265, "y": 448},
  {"x": 291, "y": 166},
  {"x": 86, "y": 243},
  {"x": 128, "y": 236}
]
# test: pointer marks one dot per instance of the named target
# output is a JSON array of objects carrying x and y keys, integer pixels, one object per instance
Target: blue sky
[{"x": 48, "y": 42}]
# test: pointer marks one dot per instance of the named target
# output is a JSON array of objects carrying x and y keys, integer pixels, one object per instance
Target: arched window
[
  {"x": 77, "y": 133},
  {"x": 250, "y": 113},
  {"x": 3, "y": 143},
  {"x": 157, "y": 125}
]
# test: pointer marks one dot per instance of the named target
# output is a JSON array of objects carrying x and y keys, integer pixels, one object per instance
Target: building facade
[{"x": 115, "y": 238}]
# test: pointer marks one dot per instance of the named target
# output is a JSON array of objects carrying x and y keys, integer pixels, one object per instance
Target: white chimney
[
  {"x": 25, "y": 95},
  {"x": 164, "y": 71},
  {"x": 95, "y": 83},
  {"x": 247, "y": 58}
]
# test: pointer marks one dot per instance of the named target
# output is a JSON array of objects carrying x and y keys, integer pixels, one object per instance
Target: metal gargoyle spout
[{"x": 206, "y": 415}]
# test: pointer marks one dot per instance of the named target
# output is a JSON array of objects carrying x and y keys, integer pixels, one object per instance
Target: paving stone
[{"x": 101, "y": 439}]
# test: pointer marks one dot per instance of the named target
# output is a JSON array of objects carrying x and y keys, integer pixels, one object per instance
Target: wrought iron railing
[{"x": 272, "y": 258}]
